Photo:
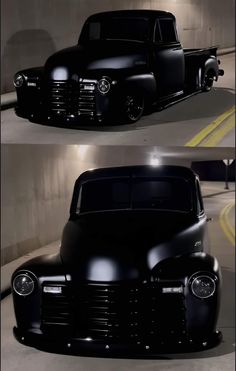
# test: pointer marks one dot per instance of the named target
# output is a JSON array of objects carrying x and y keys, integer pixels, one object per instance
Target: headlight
[
  {"x": 203, "y": 286},
  {"x": 18, "y": 80},
  {"x": 104, "y": 85},
  {"x": 23, "y": 284}
]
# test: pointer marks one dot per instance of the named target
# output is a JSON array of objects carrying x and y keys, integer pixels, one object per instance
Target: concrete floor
[
  {"x": 16, "y": 357},
  {"x": 175, "y": 125}
]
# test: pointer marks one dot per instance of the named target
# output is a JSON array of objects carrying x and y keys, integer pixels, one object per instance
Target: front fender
[
  {"x": 144, "y": 83},
  {"x": 186, "y": 265},
  {"x": 32, "y": 73},
  {"x": 47, "y": 268},
  {"x": 201, "y": 314},
  {"x": 30, "y": 95},
  {"x": 122, "y": 85},
  {"x": 47, "y": 265}
]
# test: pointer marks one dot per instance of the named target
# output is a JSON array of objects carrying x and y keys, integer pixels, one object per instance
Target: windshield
[
  {"x": 117, "y": 28},
  {"x": 135, "y": 193}
]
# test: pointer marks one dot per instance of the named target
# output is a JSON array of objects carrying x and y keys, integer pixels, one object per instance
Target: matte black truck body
[
  {"x": 133, "y": 276},
  {"x": 125, "y": 62}
]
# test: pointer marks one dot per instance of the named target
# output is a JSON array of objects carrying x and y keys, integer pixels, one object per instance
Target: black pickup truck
[
  {"x": 133, "y": 275},
  {"x": 125, "y": 62}
]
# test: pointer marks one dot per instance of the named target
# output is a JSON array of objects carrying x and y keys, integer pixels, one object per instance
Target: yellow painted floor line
[
  {"x": 229, "y": 226},
  {"x": 220, "y": 133},
  {"x": 225, "y": 224},
  {"x": 198, "y": 138}
]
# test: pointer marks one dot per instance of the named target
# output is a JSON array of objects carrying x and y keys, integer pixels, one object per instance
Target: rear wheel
[
  {"x": 208, "y": 81},
  {"x": 133, "y": 107}
]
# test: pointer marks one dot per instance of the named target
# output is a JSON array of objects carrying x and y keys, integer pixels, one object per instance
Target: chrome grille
[
  {"x": 87, "y": 99},
  {"x": 71, "y": 98},
  {"x": 116, "y": 312},
  {"x": 134, "y": 313},
  {"x": 56, "y": 311}
]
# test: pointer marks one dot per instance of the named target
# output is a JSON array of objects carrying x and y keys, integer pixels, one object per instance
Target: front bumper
[
  {"x": 43, "y": 118},
  {"x": 65, "y": 104},
  {"x": 76, "y": 346}
]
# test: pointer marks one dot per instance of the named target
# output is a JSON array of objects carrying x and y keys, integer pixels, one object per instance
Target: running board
[{"x": 182, "y": 98}]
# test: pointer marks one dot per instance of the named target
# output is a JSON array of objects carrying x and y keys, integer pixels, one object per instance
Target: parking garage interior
[
  {"x": 40, "y": 163},
  {"x": 36, "y": 193}
]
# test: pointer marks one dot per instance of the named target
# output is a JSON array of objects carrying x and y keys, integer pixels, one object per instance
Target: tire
[
  {"x": 207, "y": 82},
  {"x": 133, "y": 107}
]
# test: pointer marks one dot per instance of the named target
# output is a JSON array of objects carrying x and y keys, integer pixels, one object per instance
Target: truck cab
[
  {"x": 132, "y": 276},
  {"x": 125, "y": 63}
]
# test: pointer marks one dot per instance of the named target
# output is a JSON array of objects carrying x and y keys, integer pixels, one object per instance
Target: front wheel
[{"x": 133, "y": 107}]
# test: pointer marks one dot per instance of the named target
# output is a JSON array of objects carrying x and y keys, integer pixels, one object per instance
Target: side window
[
  {"x": 168, "y": 31},
  {"x": 157, "y": 35},
  {"x": 200, "y": 207},
  {"x": 94, "y": 31}
]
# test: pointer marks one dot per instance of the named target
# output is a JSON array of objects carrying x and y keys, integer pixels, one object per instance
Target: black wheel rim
[
  {"x": 208, "y": 82},
  {"x": 134, "y": 106}
]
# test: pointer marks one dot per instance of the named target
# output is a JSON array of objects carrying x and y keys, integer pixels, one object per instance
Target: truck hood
[
  {"x": 111, "y": 246},
  {"x": 74, "y": 61}
]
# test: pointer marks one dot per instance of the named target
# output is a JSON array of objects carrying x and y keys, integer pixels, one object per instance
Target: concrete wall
[
  {"x": 37, "y": 185},
  {"x": 214, "y": 170},
  {"x": 34, "y": 29}
]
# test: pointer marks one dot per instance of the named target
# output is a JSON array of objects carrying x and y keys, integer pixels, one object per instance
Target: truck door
[{"x": 169, "y": 66}]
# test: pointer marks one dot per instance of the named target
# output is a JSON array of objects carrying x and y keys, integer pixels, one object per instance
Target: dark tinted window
[
  {"x": 118, "y": 28},
  {"x": 110, "y": 194},
  {"x": 94, "y": 31},
  {"x": 104, "y": 195},
  {"x": 167, "y": 30},
  {"x": 199, "y": 199}
]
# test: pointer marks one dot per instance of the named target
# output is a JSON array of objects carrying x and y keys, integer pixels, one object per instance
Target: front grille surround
[{"x": 113, "y": 313}]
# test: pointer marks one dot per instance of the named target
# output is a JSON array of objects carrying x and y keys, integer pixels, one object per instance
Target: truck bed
[{"x": 200, "y": 52}]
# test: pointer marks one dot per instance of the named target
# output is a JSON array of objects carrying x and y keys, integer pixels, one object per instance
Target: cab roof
[
  {"x": 145, "y": 13},
  {"x": 139, "y": 171},
  {"x": 131, "y": 171}
]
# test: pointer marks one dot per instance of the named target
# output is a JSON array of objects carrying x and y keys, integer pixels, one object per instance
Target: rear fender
[{"x": 211, "y": 65}]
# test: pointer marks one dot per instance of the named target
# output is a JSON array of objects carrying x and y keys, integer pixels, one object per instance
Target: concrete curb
[
  {"x": 8, "y": 100},
  {"x": 226, "y": 51},
  {"x": 5, "y": 293}
]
